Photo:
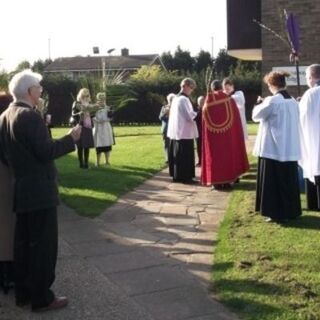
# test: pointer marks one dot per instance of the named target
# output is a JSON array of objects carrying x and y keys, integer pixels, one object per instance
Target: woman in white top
[{"x": 278, "y": 148}]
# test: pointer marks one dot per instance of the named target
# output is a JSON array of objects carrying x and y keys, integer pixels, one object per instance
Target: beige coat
[
  {"x": 102, "y": 131},
  {"x": 7, "y": 217}
]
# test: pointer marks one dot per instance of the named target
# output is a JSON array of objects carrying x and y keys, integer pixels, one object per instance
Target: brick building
[{"x": 260, "y": 44}]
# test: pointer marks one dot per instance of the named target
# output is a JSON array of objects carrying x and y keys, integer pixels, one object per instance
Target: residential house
[{"x": 97, "y": 66}]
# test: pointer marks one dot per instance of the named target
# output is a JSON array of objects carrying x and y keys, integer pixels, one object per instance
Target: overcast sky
[{"x": 35, "y": 29}]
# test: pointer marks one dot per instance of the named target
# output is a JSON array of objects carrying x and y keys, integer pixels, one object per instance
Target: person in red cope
[{"x": 224, "y": 157}]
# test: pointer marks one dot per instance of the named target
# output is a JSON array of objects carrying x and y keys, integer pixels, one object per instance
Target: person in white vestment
[
  {"x": 102, "y": 130},
  {"x": 310, "y": 136},
  {"x": 278, "y": 150},
  {"x": 182, "y": 130},
  {"x": 238, "y": 97}
]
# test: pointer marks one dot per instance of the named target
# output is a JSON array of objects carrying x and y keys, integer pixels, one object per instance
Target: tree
[
  {"x": 223, "y": 63},
  {"x": 22, "y": 66},
  {"x": 168, "y": 60},
  {"x": 183, "y": 60},
  {"x": 203, "y": 61},
  {"x": 40, "y": 65},
  {"x": 4, "y": 80}
]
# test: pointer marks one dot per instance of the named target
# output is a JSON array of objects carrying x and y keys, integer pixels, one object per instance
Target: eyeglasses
[{"x": 38, "y": 87}]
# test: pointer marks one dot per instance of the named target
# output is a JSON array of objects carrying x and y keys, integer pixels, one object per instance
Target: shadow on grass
[
  {"x": 250, "y": 286},
  {"x": 250, "y": 176},
  {"x": 222, "y": 266},
  {"x": 250, "y": 308},
  {"x": 304, "y": 222}
]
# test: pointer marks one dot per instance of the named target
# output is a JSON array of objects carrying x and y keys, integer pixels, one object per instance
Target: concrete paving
[{"x": 149, "y": 256}]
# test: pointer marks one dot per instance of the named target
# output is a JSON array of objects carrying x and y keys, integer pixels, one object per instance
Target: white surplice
[
  {"x": 181, "y": 119},
  {"x": 278, "y": 136},
  {"x": 310, "y": 135},
  {"x": 240, "y": 100}
]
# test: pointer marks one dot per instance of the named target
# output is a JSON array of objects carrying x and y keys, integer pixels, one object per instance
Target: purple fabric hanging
[{"x": 294, "y": 32}]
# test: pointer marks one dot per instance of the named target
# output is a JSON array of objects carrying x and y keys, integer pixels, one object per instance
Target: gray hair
[
  {"x": 314, "y": 70},
  {"x": 22, "y": 82},
  {"x": 200, "y": 100},
  {"x": 188, "y": 82},
  {"x": 170, "y": 97}
]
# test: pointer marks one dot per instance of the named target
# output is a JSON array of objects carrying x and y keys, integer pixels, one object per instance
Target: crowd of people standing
[{"x": 288, "y": 135}]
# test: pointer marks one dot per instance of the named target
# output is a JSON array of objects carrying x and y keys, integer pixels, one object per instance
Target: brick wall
[{"x": 275, "y": 53}]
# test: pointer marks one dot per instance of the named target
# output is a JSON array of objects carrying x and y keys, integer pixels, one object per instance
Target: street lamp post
[
  {"x": 212, "y": 47},
  {"x": 103, "y": 65}
]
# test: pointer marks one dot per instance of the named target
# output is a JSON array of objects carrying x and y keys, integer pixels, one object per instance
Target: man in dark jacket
[{"x": 25, "y": 146}]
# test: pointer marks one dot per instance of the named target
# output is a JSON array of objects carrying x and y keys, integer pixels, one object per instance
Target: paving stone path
[{"x": 148, "y": 257}]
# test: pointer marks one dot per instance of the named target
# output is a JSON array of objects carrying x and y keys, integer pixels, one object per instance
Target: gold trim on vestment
[{"x": 218, "y": 127}]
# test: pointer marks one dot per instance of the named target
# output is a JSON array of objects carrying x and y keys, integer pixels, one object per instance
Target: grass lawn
[
  {"x": 252, "y": 128},
  {"x": 136, "y": 156},
  {"x": 265, "y": 271}
]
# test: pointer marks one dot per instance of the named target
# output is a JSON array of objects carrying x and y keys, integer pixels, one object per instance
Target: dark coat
[
  {"x": 26, "y": 147},
  {"x": 86, "y": 137}
]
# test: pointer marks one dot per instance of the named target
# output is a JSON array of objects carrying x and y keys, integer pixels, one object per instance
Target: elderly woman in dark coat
[
  {"x": 7, "y": 224},
  {"x": 7, "y": 217}
]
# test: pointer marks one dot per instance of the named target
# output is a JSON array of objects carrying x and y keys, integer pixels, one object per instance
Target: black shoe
[
  {"x": 57, "y": 303},
  {"x": 190, "y": 182}
]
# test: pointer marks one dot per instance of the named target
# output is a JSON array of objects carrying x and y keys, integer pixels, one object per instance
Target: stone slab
[
  {"x": 179, "y": 303},
  {"x": 148, "y": 280},
  {"x": 91, "y": 295},
  {"x": 126, "y": 261}
]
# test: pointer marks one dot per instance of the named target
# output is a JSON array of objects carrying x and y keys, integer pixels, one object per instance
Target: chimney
[{"x": 125, "y": 52}]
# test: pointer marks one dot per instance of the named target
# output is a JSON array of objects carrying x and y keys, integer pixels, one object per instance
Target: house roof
[{"x": 94, "y": 63}]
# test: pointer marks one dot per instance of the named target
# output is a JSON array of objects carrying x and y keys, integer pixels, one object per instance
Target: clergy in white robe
[
  {"x": 310, "y": 136},
  {"x": 278, "y": 149},
  {"x": 182, "y": 130}
]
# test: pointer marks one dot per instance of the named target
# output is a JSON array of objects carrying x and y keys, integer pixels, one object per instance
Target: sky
[{"x": 39, "y": 29}]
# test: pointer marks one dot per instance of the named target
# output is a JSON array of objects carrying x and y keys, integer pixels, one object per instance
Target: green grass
[
  {"x": 120, "y": 131},
  {"x": 263, "y": 270},
  {"x": 252, "y": 128},
  {"x": 133, "y": 159}
]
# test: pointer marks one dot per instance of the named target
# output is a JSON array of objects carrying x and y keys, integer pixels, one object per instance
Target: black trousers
[
  {"x": 83, "y": 156},
  {"x": 35, "y": 256}
]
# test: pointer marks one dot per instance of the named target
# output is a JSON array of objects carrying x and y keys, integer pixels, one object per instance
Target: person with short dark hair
[
  {"x": 310, "y": 137},
  {"x": 27, "y": 149},
  {"x": 182, "y": 130},
  {"x": 277, "y": 147},
  {"x": 224, "y": 158}
]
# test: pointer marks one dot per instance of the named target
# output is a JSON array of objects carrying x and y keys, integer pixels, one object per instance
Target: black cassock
[
  {"x": 181, "y": 160},
  {"x": 277, "y": 193}
]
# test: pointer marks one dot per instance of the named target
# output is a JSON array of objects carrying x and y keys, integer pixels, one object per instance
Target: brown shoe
[{"x": 57, "y": 303}]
